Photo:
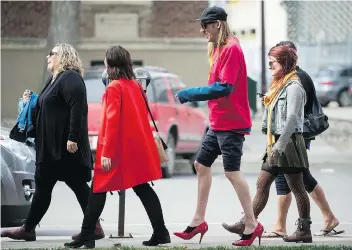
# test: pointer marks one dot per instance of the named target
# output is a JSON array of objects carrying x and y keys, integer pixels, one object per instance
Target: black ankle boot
[
  {"x": 158, "y": 238},
  {"x": 86, "y": 240}
]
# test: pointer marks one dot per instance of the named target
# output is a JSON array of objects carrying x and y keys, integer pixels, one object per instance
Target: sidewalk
[{"x": 338, "y": 113}]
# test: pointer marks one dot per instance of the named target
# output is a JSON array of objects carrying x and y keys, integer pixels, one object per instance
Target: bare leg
[
  {"x": 330, "y": 221},
  {"x": 241, "y": 187},
  {"x": 264, "y": 182},
  {"x": 283, "y": 204},
  {"x": 204, "y": 183}
]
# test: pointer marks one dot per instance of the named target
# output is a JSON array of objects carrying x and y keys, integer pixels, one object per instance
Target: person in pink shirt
[{"x": 230, "y": 121}]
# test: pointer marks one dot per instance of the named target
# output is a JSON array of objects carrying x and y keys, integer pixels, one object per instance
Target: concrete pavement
[
  {"x": 330, "y": 165},
  {"x": 64, "y": 216}
]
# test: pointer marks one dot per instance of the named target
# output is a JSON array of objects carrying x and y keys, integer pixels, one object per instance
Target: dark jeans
[
  {"x": 282, "y": 187},
  {"x": 148, "y": 198},
  {"x": 42, "y": 198}
]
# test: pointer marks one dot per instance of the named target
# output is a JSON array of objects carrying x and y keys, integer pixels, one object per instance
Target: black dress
[{"x": 61, "y": 115}]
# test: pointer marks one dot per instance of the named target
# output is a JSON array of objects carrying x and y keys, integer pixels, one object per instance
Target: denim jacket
[
  {"x": 279, "y": 114},
  {"x": 24, "y": 118}
]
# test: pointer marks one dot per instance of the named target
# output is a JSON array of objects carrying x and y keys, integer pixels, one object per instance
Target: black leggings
[
  {"x": 282, "y": 187},
  {"x": 42, "y": 198},
  {"x": 148, "y": 198}
]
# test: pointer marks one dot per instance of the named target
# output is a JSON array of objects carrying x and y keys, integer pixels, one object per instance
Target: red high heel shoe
[
  {"x": 258, "y": 232},
  {"x": 202, "y": 229}
]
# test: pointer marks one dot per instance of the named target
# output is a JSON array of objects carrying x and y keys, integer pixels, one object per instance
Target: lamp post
[{"x": 263, "y": 66}]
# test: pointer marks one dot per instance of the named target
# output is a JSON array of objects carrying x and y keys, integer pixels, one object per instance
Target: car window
[
  {"x": 175, "y": 87},
  {"x": 95, "y": 89},
  {"x": 151, "y": 92},
  {"x": 160, "y": 90},
  {"x": 325, "y": 73},
  {"x": 344, "y": 73},
  {"x": 94, "y": 74},
  {"x": 349, "y": 72}
]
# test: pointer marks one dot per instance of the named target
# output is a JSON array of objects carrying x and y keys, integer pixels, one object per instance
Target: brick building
[{"x": 156, "y": 33}]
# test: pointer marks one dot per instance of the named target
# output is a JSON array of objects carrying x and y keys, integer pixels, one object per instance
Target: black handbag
[
  {"x": 17, "y": 135},
  {"x": 315, "y": 122}
]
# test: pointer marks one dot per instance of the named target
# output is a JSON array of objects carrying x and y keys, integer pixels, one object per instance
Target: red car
[{"x": 181, "y": 126}]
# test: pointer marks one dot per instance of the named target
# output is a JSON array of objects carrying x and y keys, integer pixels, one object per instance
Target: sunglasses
[
  {"x": 205, "y": 24},
  {"x": 272, "y": 63},
  {"x": 51, "y": 53}
]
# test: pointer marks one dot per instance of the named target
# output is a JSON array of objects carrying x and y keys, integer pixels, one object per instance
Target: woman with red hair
[{"x": 285, "y": 148}]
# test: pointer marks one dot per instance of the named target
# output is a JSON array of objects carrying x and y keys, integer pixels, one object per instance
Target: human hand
[
  {"x": 261, "y": 96},
  {"x": 180, "y": 96},
  {"x": 26, "y": 96},
  {"x": 72, "y": 146},
  {"x": 273, "y": 158},
  {"x": 106, "y": 163}
]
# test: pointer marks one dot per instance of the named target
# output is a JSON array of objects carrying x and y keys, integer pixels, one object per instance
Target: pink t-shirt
[{"x": 230, "y": 112}]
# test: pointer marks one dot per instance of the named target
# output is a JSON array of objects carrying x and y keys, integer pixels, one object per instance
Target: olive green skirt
[{"x": 294, "y": 155}]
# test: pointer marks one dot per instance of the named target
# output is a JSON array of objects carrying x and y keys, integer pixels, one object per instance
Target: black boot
[
  {"x": 93, "y": 211},
  {"x": 157, "y": 239},
  {"x": 83, "y": 239},
  {"x": 152, "y": 206}
]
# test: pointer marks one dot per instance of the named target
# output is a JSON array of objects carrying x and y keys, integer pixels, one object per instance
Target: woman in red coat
[{"x": 126, "y": 153}]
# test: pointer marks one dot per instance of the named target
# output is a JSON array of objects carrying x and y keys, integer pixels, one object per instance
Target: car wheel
[
  {"x": 324, "y": 103},
  {"x": 168, "y": 167},
  {"x": 344, "y": 99}
]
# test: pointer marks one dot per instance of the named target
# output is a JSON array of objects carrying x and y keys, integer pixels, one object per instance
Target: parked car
[
  {"x": 17, "y": 179},
  {"x": 350, "y": 92},
  {"x": 332, "y": 83},
  {"x": 182, "y": 127},
  {"x": 95, "y": 91}
]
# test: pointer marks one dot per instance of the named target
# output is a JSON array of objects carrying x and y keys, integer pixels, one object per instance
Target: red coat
[{"x": 126, "y": 137}]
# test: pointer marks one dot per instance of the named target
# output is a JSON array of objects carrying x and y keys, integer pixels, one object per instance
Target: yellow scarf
[{"x": 275, "y": 87}]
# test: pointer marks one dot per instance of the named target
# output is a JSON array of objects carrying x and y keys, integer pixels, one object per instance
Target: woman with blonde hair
[
  {"x": 285, "y": 146},
  {"x": 230, "y": 121},
  {"x": 61, "y": 139}
]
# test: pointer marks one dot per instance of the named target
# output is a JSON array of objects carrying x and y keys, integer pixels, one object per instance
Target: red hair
[{"x": 286, "y": 57}]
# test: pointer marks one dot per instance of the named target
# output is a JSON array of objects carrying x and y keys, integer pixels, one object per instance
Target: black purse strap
[
  {"x": 147, "y": 105},
  {"x": 151, "y": 116}
]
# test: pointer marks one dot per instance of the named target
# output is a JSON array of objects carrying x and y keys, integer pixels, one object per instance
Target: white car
[{"x": 17, "y": 179}]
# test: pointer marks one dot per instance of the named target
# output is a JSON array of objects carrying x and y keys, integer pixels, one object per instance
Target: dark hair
[
  {"x": 119, "y": 63},
  {"x": 287, "y": 43},
  {"x": 286, "y": 57}
]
